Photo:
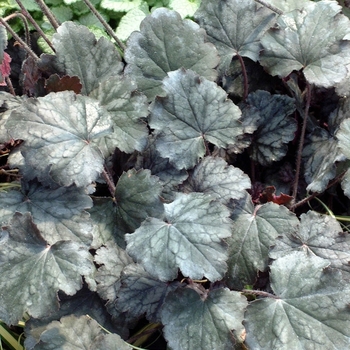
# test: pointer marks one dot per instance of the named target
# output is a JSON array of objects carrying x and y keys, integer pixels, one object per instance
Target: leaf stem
[
  {"x": 245, "y": 77},
  {"x": 106, "y": 25},
  {"x": 260, "y": 292},
  {"x": 33, "y": 22},
  {"x": 269, "y": 6},
  {"x": 17, "y": 38},
  {"x": 301, "y": 141},
  {"x": 108, "y": 178},
  {"x": 47, "y": 12},
  {"x": 315, "y": 194}
]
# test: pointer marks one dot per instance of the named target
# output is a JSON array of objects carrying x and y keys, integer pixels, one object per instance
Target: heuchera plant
[{"x": 166, "y": 182}]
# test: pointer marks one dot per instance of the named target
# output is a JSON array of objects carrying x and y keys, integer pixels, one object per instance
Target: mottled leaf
[
  {"x": 32, "y": 272},
  {"x": 215, "y": 177},
  {"x": 162, "y": 45},
  {"x": 64, "y": 134},
  {"x": 320, "y": 153},
  {"x": 126, "y": 109},
  {"x": 168, "y": 175},
  {"x": 138, "y": 197},
  {"x": 140, "y": 293},
  {"x": 77, "y": 333},
  {"x": 310, "y": 311},
  {"x": 320, "y": 234},
  {"x": 113, "y": 260},
  {"x": 59, "y": 213},
  {"x": 195, "y": 111},
  {"x": 310, "y": 39},
  {"x": 82, "y": 55},
  {"x": 275, "y": 129},
  {"x": 254, "y": 232},
  {"x": 235, "y": 27},
  {"x": 194, "y": 321},
  {"x": 188, "y": 239},
  {"x": 3, "y": 42}
]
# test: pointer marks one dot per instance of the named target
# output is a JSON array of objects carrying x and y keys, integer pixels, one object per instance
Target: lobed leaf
[
  {"x": 58, "y": 213},
  {"x": 255, "y": 230},
  {"x": 320, "y": 153},
  {"x": 311, "y": 39},
  {"x": 76, "y": 333},
  {"x": 215, "y": 177},
  {"x": 195, "y": 111},
  {"x": 126, "y": 109},
  {"x": 113, "y": 260},
  {"x": 188, "y": 239},
  {"x": 138, "y": 197},
  {"x": 162, "y": 45},
  {"x": 32, "y": 272},
  {"x": 235, "y": 27},
  {"x": 140, "y": 293},
  {"x": 309, "y": 312},
  {"x": 194, "y": 321},
  {"x": 82, "y": 55},
  {"x": 61, "y": 133},
  {"x": 320, "y": 235}
]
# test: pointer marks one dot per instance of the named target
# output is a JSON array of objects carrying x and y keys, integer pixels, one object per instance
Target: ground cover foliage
[{"x": 190, "y": 184}]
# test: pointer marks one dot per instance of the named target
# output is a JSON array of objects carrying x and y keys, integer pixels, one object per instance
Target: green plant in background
[{"x": 147, "y": 201}]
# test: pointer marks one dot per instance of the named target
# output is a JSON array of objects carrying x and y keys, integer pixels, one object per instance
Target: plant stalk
[
  {"x": 47, "y": 12},
  {"x": 109, "y": 181},
  {"x": 109, "y": 30},
  {"x": 245, "y": 78},
  {"x": 36, "y": 26},
  {"x": 259, "y": 292},
  {"x": 301, "y": 141},
  {"x": 17, "y": 38}
]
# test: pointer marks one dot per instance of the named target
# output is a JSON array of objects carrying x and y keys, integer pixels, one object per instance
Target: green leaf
[
  {"x": 215, "y": 177},
  {"x": 76, "y": 333},
  {"x": 195, "y": 111},
  {"x": 113, "y": 260},
  {"x": 254, "y": 232},
  {"x": 32, "y": 272},
  {"x": 120, "y": 5},
  {"x": 235, "y": 27},
  {"x": 319, "y": 234},
  {"x": 309, "y": 312},
  {"x": 310, "y": 39},
  {"x": 131, "y": 21},
  {"x": 275, "y": 129},
  {"x": 186, "y": 8},
  {"x": 194, "y": 321},
  {"x": 162, "y": 45},
  {"x": 320, "y": 153},
  {"x": 58, "y": 213},
  {"x": 140, "y": 293},
  {"x": 188, "y": 239},
  {"x": 101, "y": 59},
  {"x": 126, "y": 109},
  {"x": 64, "y": 134},
  {"x": 138, "y": 197}
]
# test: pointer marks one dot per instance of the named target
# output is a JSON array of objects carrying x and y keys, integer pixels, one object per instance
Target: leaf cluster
[{"x": 165, "y": 182}]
